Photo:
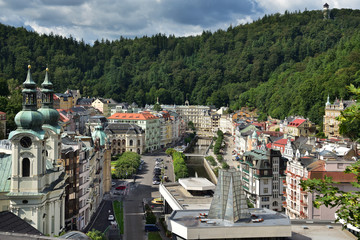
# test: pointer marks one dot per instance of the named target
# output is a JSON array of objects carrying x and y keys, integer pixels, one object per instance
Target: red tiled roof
[
  {"x": 63, "y": 118},
  {"x": 336, "y": 176},
  {"x": 282, "y": 141},
  {"x": 2, "y": 113},
  {"x": 133, "y": 116},
  {"x": 296, "y": 122},
  {"x": 273, "y": 133}
]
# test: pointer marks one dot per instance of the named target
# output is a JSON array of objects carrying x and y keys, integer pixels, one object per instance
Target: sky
[{"x": 91, "y": 20}]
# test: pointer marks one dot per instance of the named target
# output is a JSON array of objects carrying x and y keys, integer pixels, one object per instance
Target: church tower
[
  {"x": 37, "y": 186},
  {"x": 51, "y": 118}
]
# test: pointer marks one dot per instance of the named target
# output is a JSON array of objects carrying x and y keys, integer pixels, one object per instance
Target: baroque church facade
[{"x": 37, "y": 179}]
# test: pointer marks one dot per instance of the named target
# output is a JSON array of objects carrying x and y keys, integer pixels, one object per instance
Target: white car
[
  {"x": 155, "y": 182},
  {"x": 113, "y": 184},
  {"x": 111, "y": 218}
]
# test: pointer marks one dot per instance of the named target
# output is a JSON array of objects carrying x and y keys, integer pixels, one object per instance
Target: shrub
[
  {"x": 211, "y": 159},
  {"x": 225, "y": 165}
]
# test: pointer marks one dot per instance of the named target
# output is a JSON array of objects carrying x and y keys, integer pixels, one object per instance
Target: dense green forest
[{"x": 280, "y": 64}]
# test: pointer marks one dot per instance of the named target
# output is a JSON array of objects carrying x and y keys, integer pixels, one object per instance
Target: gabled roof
[
  {"x": 296, "y": 123},
  {"x": 282, "y": 141},
  {"x": 9, "y": 222},
  {"x": 132, "y": 116}
]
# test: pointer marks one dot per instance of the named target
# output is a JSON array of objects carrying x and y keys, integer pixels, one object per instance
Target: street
[{"x": 133, "y": 203}]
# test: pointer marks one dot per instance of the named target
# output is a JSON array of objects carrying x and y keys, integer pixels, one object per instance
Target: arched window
[
  {"x": 275, "y": 204},
  {"x": 26, "y": 167},
  {"x": 131, "y": 142},
  {"x": 138, "y": 150},
  {"x": 123, "y": 142},
  {"x": 138, "y": 142},
  {"x": 119, "y": 142}
]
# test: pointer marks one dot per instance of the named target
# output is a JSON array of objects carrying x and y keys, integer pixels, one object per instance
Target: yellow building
[
  {"x": 104, "y": 105},
  {"x": 65, "y": 100},
  {"x": 330, "y": 124},
  {"x": 300, "y": 127}
]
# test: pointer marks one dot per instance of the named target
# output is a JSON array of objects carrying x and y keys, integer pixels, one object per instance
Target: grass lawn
[
  {"x": 119, "y": 215},
  {"x": 113, "y": 167},
  {"x": 154, "y": 236}
]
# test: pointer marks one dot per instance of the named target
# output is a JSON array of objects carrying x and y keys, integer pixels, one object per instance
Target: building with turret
[{"x": 332, "y": 111}]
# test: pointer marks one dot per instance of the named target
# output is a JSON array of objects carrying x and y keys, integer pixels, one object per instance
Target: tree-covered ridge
[{"x": 279, "y": 55}]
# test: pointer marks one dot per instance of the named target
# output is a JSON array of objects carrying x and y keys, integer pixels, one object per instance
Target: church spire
[
  {"x": 29, "y": 92},
  {"x": 47, "y": 92},
  {"x": 328, "y": 101},
  {"x": 51, "y": 116}
]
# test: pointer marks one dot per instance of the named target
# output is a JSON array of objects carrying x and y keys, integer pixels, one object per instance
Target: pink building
[{"x": 298, "y": 203}]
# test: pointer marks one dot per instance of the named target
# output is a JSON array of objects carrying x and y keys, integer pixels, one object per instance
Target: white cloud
[{"x": 97, "y": 19}]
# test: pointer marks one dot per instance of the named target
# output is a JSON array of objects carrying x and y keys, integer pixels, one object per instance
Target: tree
[
  {"x": 350, "y": 118},
  {"x": 157, "y": 107},
  {"x": 96, "y": 235},
  {"x": 328, "y": 194}
]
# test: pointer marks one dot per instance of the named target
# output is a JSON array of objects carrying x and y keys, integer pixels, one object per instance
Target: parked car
[
  {"x": 151, "y": 228},
  {"x": 111, "y": 218},
  {"x": 155, "y": 182},
  {"x": 113, "y": 184},
  {"x": 122, "y": 187},
  {"x": 156, "y": 178}
]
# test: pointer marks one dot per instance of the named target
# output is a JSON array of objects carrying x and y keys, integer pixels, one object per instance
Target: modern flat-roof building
[
  {"x": 229, "y": 216},
  {"x": 188, "y": 193}
]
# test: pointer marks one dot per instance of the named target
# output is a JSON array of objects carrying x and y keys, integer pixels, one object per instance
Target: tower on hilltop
[{"x": 326, "y": 11}]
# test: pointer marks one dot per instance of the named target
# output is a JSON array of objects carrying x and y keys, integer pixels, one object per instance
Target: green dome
[
  {"x": 29, "y": 120},
  {"x": 51, "y": 116},
  {"x": 99, "y": 134}
]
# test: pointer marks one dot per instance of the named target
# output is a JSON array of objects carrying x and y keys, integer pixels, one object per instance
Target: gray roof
[
  {"x": 9, "y": 222},
  {"x": 305, "y": 161},
  {"x": 123, "y": 128},
  {"x": 84, "y": 101}
]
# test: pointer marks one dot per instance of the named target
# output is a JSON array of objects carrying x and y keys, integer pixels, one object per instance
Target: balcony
[{"x": 302, "y": 203}]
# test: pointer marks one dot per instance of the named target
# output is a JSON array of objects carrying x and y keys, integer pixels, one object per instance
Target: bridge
[{"x": 194, "y": 155}]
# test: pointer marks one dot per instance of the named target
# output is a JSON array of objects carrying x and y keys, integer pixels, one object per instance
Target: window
[
  {"x": 265, "y": 206},
  {"x": 131, "y": 142},
  {"x": 266, "y": 181},
  {"x": 275, "y": 204},
  {"x": 265, "y": 199},
  {"x": 266, "y": 190},
  {"x": 26, "y": 167}
]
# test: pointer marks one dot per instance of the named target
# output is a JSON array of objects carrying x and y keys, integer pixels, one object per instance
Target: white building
[
  {"x": 262, "y": 176},
  {"x": 37, "y": 183}
]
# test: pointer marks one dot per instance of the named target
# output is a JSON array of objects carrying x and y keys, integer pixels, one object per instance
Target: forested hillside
[{"x": 281, "y": 64}]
